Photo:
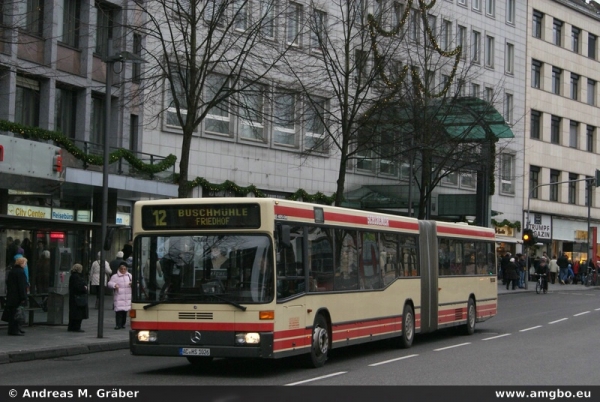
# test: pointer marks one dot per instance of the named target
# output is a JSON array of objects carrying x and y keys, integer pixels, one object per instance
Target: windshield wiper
[
  {"x": 243, "y": 308},
  {"x": 157, "y": 302}
]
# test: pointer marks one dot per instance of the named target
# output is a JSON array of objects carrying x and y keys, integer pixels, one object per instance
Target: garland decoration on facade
[
  {"x": 68, "y": 145},
  {"x": 239, "y": 191},
  {"x": 506, "y": 222}
]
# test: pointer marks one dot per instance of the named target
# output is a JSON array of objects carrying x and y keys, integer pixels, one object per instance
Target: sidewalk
[{"x": 44, "y": 341}]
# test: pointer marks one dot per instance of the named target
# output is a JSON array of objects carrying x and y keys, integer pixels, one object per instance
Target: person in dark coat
[
  {"x": 512, "y": 274},
  {"x": 76, "y": 286},
  {"x": 16, "y": 295}
]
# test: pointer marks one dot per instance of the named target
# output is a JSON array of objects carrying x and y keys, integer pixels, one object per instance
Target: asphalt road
[{"x": 535, "y": 339}]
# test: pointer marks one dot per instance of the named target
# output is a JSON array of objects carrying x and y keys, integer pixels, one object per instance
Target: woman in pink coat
[{"x": 121, "y": 285}]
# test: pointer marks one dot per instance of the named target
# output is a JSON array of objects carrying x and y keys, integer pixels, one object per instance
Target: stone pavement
[{"x": 44, "y": 341}]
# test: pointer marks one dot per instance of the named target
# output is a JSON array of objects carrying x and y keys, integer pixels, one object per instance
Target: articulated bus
[{"x": 270, "y": 278}]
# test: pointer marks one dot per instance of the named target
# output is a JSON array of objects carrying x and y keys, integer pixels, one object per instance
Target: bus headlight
[
  {"x": 146, "y": 336},
  {"x": 250, "y": 338}
]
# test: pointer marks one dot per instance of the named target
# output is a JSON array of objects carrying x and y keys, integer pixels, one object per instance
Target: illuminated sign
[{"x": 192, "y": 216}]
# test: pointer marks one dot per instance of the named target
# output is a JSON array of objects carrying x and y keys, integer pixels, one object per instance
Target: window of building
[
  {"x": 556, "y": 80},
  {"x": 65, "y": 111},
  {"x": 30, "y": 17},
  {"x": 104, "y": 28},
  {"x": 361, "y": 58},
  {"x": 175, "y": 96},
  {"x": 251, "y": 120},
  {"x": 446, "y": 34},
  {"x": 136, "y": 68},
  {"x": 475, "y": 90},
  {"x": 432, "y": 24},
  {"x": 461, "y": 40},
  {"x": 574, "y": 86},
  {"x": 378, "y": 10},
  {"x": 476, "y": 4},
  {"x": 510, "y": 11},
  {"x": 507, "y": 178},
  {"x": 573, "y": 133},
  {"x": 508, "y": 108},
  {"x": 415, "y": 25},
  {"x": 294, "y": 18},
  {"x": 489, "y": 51},
  {"x": 134, "y": 128},
  {"x": 27, "y": 102},
  {"x": 315, "y": 138},
  {"x": 554, "y": 186},
  {"x": 68, "y": 22},
  {"x": 490, "y": 7},
  {"x": 536, "y": 125},
  {"x": 397, "y": 14},
  {"x": 534, "y": 181},
  {"x": 590, "y": 138},
  {"x": 215, "y": 12},
  {"x": 489, "y": 94},
  {"x": 318, "y": 30},
  {"x": 575, "y": 32},
  {"x": 538, "y": 19},
  {"x": 591, "y": 92},
  {"x": 267, "y": 9},
  {"x": 536, "y": 74},
  {"x": 217, "y": 120},
  {"x": 450, "y": 178},
  {"x": 592, "y": 43},
  {"x": 509, "y": 61},
  {"x": 572, "y": 188},
  {"x": 284, "y": 125},
  {"x": 557, "y": 32},
  {"x": 388, "y": 155},
  {"x": 97, "y": 122},
  {"x": 475, "y": 46},
  {"x": 240, "y": 14},
  {"x": 468, "y": 180},
  {"x": 555, "y": 129},
  {"x": 462, "y": 2}
]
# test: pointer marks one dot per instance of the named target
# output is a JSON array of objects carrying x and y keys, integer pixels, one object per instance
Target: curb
[{"x": 51, "y": 353}]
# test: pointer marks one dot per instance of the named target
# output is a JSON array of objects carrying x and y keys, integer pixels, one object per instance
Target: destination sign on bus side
[{"x": 195, "y": 216}]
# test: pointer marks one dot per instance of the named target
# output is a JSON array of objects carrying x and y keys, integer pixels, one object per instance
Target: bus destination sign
[{"x": 198, "y": 216}]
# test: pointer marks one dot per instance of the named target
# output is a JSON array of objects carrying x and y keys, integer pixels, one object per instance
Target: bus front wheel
[
  {"x": 405, "y": 340},
  {"x": 319, "y": 347},
  {"x": 469, "y": 327}
]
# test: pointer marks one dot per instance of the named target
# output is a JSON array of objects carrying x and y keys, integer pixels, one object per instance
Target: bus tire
[
  {"x": 405, "y": 340},
  {"x": 319, "y": 347},
  {"x": 199, "y": 361},
  {"x": 469, "y": 328}
]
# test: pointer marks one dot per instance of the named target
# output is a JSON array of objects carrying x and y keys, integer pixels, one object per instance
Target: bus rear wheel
[
  {"x": 469, "y": 327},
  {"x": 319, "y": 347},
  {"x": 199, "y": 361}
]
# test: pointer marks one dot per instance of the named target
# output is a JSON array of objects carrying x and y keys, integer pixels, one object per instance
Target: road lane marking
[
  {"x": 451, "y": 347},
  {"x": 317, "y": 378},
  {"x": 577, "y": 315},
  {"x": 391, "y": 360},
  {"x": 495, "y": 337},
  {"x": 529, "y": 329},
  {"x": 554, "y": 322},
  {"x": 597, "y": 309}
]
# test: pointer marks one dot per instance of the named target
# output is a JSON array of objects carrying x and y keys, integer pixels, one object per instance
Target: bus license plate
[{"x": 194, "y": 352}]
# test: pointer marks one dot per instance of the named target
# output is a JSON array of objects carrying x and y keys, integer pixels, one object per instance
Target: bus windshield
[{"x": 231, "y": 268}]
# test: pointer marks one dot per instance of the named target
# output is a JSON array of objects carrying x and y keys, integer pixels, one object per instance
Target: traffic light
[{"x": 529, "y": 238}]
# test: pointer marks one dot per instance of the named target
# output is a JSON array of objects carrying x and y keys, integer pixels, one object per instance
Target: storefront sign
[
  {"x": 84, "y": 216},
  {"x": 542, "y": 226},
  {"x": 505, "y": 231},
  {"x": 581, "y": 235},
  {"x": 123, "y": 219},
  {"x": 28, "y": 211},
  {"x": 63, "y": 214}
]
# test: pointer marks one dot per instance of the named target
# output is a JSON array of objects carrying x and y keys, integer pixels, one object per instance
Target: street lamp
[{"x": 110, "y": 61}]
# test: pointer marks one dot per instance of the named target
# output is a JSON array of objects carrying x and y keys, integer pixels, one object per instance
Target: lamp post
[{"x": 110, "y": 61}]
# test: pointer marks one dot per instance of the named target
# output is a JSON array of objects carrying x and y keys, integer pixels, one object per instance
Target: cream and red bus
[{"x": 271, "y": 278}]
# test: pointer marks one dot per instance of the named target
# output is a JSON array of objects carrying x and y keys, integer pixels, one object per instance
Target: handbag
[
  {"x": 20, "y": 315},
  {"x": 81, "y": 299}
]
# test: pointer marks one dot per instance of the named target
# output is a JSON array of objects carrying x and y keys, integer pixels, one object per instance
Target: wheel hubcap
[
  {"x": 408, "y": 326},
  {"x": 320, "y": 341}
]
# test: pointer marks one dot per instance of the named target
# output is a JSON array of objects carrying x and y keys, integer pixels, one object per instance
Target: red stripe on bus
[
  {"x": 295, "y": 212},
  {"x": 201, "y": 326},
  {"x": 465, "y": 232}
]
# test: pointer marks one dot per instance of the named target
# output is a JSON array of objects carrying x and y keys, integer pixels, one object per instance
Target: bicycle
[
  {"x": 591, "y": 279},
  {"x": 541, "y": 284}
]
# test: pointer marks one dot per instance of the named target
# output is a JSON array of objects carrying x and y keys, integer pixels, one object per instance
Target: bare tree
[{"x": 209, "y": 59}]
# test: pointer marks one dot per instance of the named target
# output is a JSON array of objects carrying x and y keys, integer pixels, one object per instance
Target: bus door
[{"x": 429, "y": 276}]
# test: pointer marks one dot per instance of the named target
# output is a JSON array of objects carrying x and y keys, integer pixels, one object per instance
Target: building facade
[{"x": 562, "y": 120}]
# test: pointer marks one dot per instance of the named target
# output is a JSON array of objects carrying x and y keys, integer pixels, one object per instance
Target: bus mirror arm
[{"x": 284, "y": 236}]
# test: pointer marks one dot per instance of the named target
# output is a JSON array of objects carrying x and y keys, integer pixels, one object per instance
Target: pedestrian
[
  {"x": 522, "y": 269},
  {"x": 563, "y": 263},
  {"x": 95, "y": 277},
  {"x": 25, "y": 267},
  {"x": 77, "y": 311},
  {"x": 114, "y": 264},
  {"x": 16, "y": 296},
  {"x": 121, "y": 285},
  {"x": 553, "y": 266},
  {"x": 42, "y": 272},
  {"x": 511, "y": 275},
  {"x": 127, "y": 250},
  {"x": 503, "y": 263}
]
